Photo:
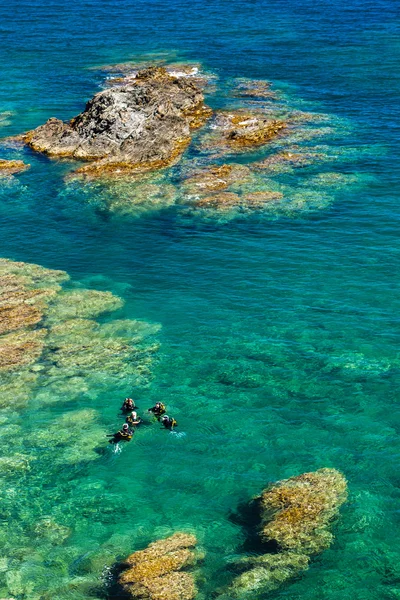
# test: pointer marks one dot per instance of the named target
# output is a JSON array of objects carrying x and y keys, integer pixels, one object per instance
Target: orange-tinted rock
[
  {"x": 159, "y": 548},
  {"x": 21, "y": 348},
  {"x": 173, "y": 586},
  {"x": 297, "y": 512},
  {"x": 156, "y": 572},
  {"x": 10, "y": 167}
]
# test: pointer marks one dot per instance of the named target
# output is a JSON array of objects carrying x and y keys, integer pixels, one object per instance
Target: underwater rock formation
[
  {"x": 140, "y": 125},
  {"x": 228, "y": 201},
  {"x": 216, "y": 178},
  {"x": 49, "y": 337},
  {"x": 156, "y": 572},
  {"x": 302, "y": 508},
  {"x": 254, "y": 88},
  {"x": 296, "y": 515},
  {"x": 10, "y": 167},
  {"x": 240, "y": 130}
]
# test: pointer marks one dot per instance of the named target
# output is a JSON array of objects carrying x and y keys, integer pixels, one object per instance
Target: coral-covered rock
[
  {"x": 21, "y": 348},
  {"x": 268, "y": 572},
  {"x": 142, "y": 124},
  {"x": 156, "y": 572},
  {"x": 296, "y": 514},
  {"x": 10, "y": 167}
]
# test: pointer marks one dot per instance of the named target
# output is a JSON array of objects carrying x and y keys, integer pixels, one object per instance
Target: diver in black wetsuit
[
  {"x": 123, "y": 435},
  {"x": 169, "y": 422},
  {"x": 158, "y": 410}
]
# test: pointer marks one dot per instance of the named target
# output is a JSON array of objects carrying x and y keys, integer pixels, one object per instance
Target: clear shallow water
[{"x": 279, "y": 341}]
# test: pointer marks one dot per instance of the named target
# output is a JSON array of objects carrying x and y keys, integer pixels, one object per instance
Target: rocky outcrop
[
  {"x": 296, "y": 515},
  {"x": 156, "y": 573},
  {"x": 139, "y": 125},
  {"x": 10, "y": 167}
]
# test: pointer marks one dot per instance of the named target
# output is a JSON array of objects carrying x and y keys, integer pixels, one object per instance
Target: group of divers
[{"x": 132, "y": 421}]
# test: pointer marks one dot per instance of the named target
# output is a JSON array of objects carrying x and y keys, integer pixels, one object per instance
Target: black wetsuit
[
  {"x": 169, "y": 423},
  {"x": 122, "y": 435}
]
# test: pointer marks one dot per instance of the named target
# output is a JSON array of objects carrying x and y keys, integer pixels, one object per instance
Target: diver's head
[
  {"x": 125, "y": 426},
  {"x": 133, "y": 414}
]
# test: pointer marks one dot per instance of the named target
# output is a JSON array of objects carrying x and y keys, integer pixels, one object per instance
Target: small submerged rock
[
  {"x": 142, "y": 124},
  {"x": 156, "y": 573},
  {"x": 296, "y": 515},
  {"x": 11, "y": 167},
  {"x": 254, "y": 88},
  {"x": 239, "y": 130},
  {"x": 216, "y": 178}
]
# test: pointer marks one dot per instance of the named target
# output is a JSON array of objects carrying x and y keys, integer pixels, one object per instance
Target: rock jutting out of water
[
  {"x": 296, "y": 515},
  {"x": 11, "y": 167},
  {"x": 145, "y": 118},
  {"x": 142, "y": 124},
  {"x": 156, "y": 573}
]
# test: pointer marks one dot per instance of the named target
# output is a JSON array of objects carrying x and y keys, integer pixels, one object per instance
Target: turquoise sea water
[{"x": 280, "y": 333}]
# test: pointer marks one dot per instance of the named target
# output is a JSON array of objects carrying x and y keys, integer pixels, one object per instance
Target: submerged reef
[
  {"x": 156, "y": 573},
  {"x": 143, "y": 123},
  {"x": 296, "y": 515},
  {"x": 49, "y": 336}
]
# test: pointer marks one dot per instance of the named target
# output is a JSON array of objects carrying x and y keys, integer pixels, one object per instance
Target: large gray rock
[{"x": 141, "y": 124}]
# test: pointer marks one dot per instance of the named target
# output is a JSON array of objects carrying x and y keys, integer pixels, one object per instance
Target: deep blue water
[{"x": 280, "y": 336}]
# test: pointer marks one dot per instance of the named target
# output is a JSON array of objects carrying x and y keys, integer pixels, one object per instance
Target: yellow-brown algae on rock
[
  {"x": 155, "y": 573},
  {"x": 161, "y": 547},
  {"x": 11, "y": 167},
  {"x": 35, "y": 275},
  {"x": 221, "y": 201},
  {"x": 21, "y": 348},
  {"x": 247, "y": 130},
  {"x": 173, "y": 586},
  {"x": 302, "y": 509},
  {"x": 296, "y": 515}
]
